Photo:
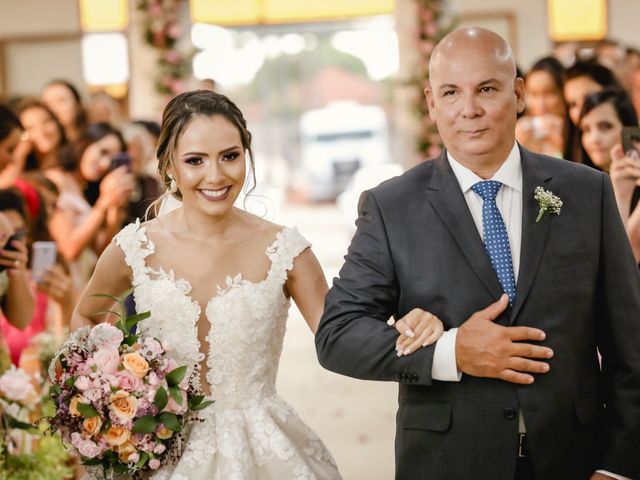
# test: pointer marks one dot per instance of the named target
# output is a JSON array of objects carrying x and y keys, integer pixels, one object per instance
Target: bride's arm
[
  {"x": 112, "y": 276},
  {"x": 307, "y": 286}
]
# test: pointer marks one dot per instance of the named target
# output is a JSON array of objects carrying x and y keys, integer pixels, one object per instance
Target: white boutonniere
[{"x": 548, "y": 202}]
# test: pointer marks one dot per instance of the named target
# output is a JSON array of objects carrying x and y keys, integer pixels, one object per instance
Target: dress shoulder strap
[
  {"x": 289, "y": 243},
  {"x": 136, "y": 247}
]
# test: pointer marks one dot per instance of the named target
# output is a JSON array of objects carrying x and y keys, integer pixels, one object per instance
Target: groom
[{"x": 513, "y": 389}]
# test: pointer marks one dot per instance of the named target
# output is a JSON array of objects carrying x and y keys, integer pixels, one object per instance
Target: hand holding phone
[
  {"x": 14, "y": 251},
  {"x": 119, "y": 160}
]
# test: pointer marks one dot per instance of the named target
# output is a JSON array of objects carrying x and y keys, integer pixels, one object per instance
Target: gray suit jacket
[{"x": 416, "y": 246}]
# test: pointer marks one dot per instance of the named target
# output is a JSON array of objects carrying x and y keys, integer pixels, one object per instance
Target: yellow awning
[{"x": 252, "y": 12}]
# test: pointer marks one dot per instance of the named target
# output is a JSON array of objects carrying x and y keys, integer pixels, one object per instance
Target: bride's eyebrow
[
  {"x": 229, "y": 149},
  {"x": 199, "y": 154}
]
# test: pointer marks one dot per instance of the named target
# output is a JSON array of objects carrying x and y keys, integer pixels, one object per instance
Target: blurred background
[{"x": 332, "y": 92}]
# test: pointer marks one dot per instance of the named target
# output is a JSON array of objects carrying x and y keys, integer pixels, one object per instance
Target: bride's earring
[{"x": 173, "y": 186}]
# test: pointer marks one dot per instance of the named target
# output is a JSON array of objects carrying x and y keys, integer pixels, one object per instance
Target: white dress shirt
[{"x": 509, "y": 202}]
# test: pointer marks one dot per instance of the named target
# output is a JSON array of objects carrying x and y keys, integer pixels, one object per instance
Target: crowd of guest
[
  {"x": 69, "y": 181},
  {"x": 74, "y": 177},
  {"x": 577, "y": 112}
]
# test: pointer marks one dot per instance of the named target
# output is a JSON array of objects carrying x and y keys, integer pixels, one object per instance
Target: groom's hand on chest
[{"x": 485, "y": 349}]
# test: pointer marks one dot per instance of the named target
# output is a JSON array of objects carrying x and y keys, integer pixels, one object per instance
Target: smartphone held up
[
  {"x": 631, "y": 139},
  {"x": 44, "y": 255}
]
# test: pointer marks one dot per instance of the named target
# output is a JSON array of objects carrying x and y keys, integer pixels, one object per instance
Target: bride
[{"x": 217, "y": 281}]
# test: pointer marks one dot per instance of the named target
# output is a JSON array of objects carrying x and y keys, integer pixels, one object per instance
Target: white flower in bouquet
[
  {"x": 105, "y": 335},
  {"x": 16, "y": 386}
]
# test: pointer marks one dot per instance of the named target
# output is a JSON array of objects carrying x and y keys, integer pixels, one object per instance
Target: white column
[{"x": 407, "y": 125}]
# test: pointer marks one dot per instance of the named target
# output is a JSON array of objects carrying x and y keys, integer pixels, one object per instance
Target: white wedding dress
[{"x": 249, "y": 432}]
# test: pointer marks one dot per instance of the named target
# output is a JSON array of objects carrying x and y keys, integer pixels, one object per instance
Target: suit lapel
[
  {"x": 534, "y": 235},
  {"x": 448, "y": 202}
]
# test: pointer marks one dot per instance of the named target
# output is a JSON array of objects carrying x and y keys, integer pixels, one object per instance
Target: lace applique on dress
[{"x": 249, "y": 432}]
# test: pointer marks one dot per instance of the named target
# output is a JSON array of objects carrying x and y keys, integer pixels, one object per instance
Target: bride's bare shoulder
[{"x": 254, "y": 225}]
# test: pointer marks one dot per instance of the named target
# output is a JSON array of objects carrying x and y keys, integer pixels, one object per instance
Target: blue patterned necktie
[{"x": 496, "y": 240}]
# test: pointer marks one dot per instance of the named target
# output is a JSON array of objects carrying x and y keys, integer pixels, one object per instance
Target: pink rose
[
  {"x": 107, "y": 359},
  {"x": 128, "y": 381},
  {"x": 106, "y": 335},
  {"x": 87, "y": 448},
  {"x": 154, "y": 464},
  {"x": 15, "y": 385}
]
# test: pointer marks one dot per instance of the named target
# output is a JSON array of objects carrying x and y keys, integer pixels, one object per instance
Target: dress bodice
[
  {"x": 249, "y": 432},
  {"x": 246, "y": 319}
]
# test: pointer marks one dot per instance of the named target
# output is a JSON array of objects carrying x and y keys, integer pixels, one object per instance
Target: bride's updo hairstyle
[{"x": 176, "y": 117}]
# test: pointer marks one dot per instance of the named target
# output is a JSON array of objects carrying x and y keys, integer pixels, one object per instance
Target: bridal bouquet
[{"x": 120, "y": 400}]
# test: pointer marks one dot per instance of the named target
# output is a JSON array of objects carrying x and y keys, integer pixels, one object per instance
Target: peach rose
[
  {"x": 117, "y": 436},
  {"x": 135, "y": 364},
  {"x": 164, "y": 433},
  {"x": 123, "y": 405},
  {"x": 128, "y": 453},
  {"x": 92, "y": 425},
  {"x": 73, "y": 405}
]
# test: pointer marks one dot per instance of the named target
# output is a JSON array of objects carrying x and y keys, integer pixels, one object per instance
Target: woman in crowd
[
  {"x": 584, "y": 78},
  {"x": 18, "y": 302},
  {"x": 603, "y": 115},
  {"x": 54, "y": 284},
  {"x": 13, "y": 148},
  {"x": 80, "y": 229},
  {"x": 147, "y": 188},
  {"x": 64, "y": 101},
  {"x": 10, "y": 132},
  {"x": 542, "y": 129},
  {"x": 44, "y": 135}
]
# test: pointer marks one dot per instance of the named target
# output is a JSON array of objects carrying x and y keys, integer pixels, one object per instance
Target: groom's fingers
[
  {"x": 527, "y": 366},
  {"x": 512, "y": 376},
  {"x": 527, "y": 350},
  {"x": 517, "y": 334}
]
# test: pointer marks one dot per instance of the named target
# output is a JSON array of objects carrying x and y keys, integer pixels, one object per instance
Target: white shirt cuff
[
  {"x": 613, "y": 475},
  {"x": 444, "y": 367}
]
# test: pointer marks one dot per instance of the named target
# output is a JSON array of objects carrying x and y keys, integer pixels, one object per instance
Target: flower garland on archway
[
  {"x": 161, "y": 30},
  {"x": 429, "y": 32}
]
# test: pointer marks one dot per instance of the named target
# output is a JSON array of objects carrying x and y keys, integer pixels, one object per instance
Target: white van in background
[{"x": 336, "y": 141}]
